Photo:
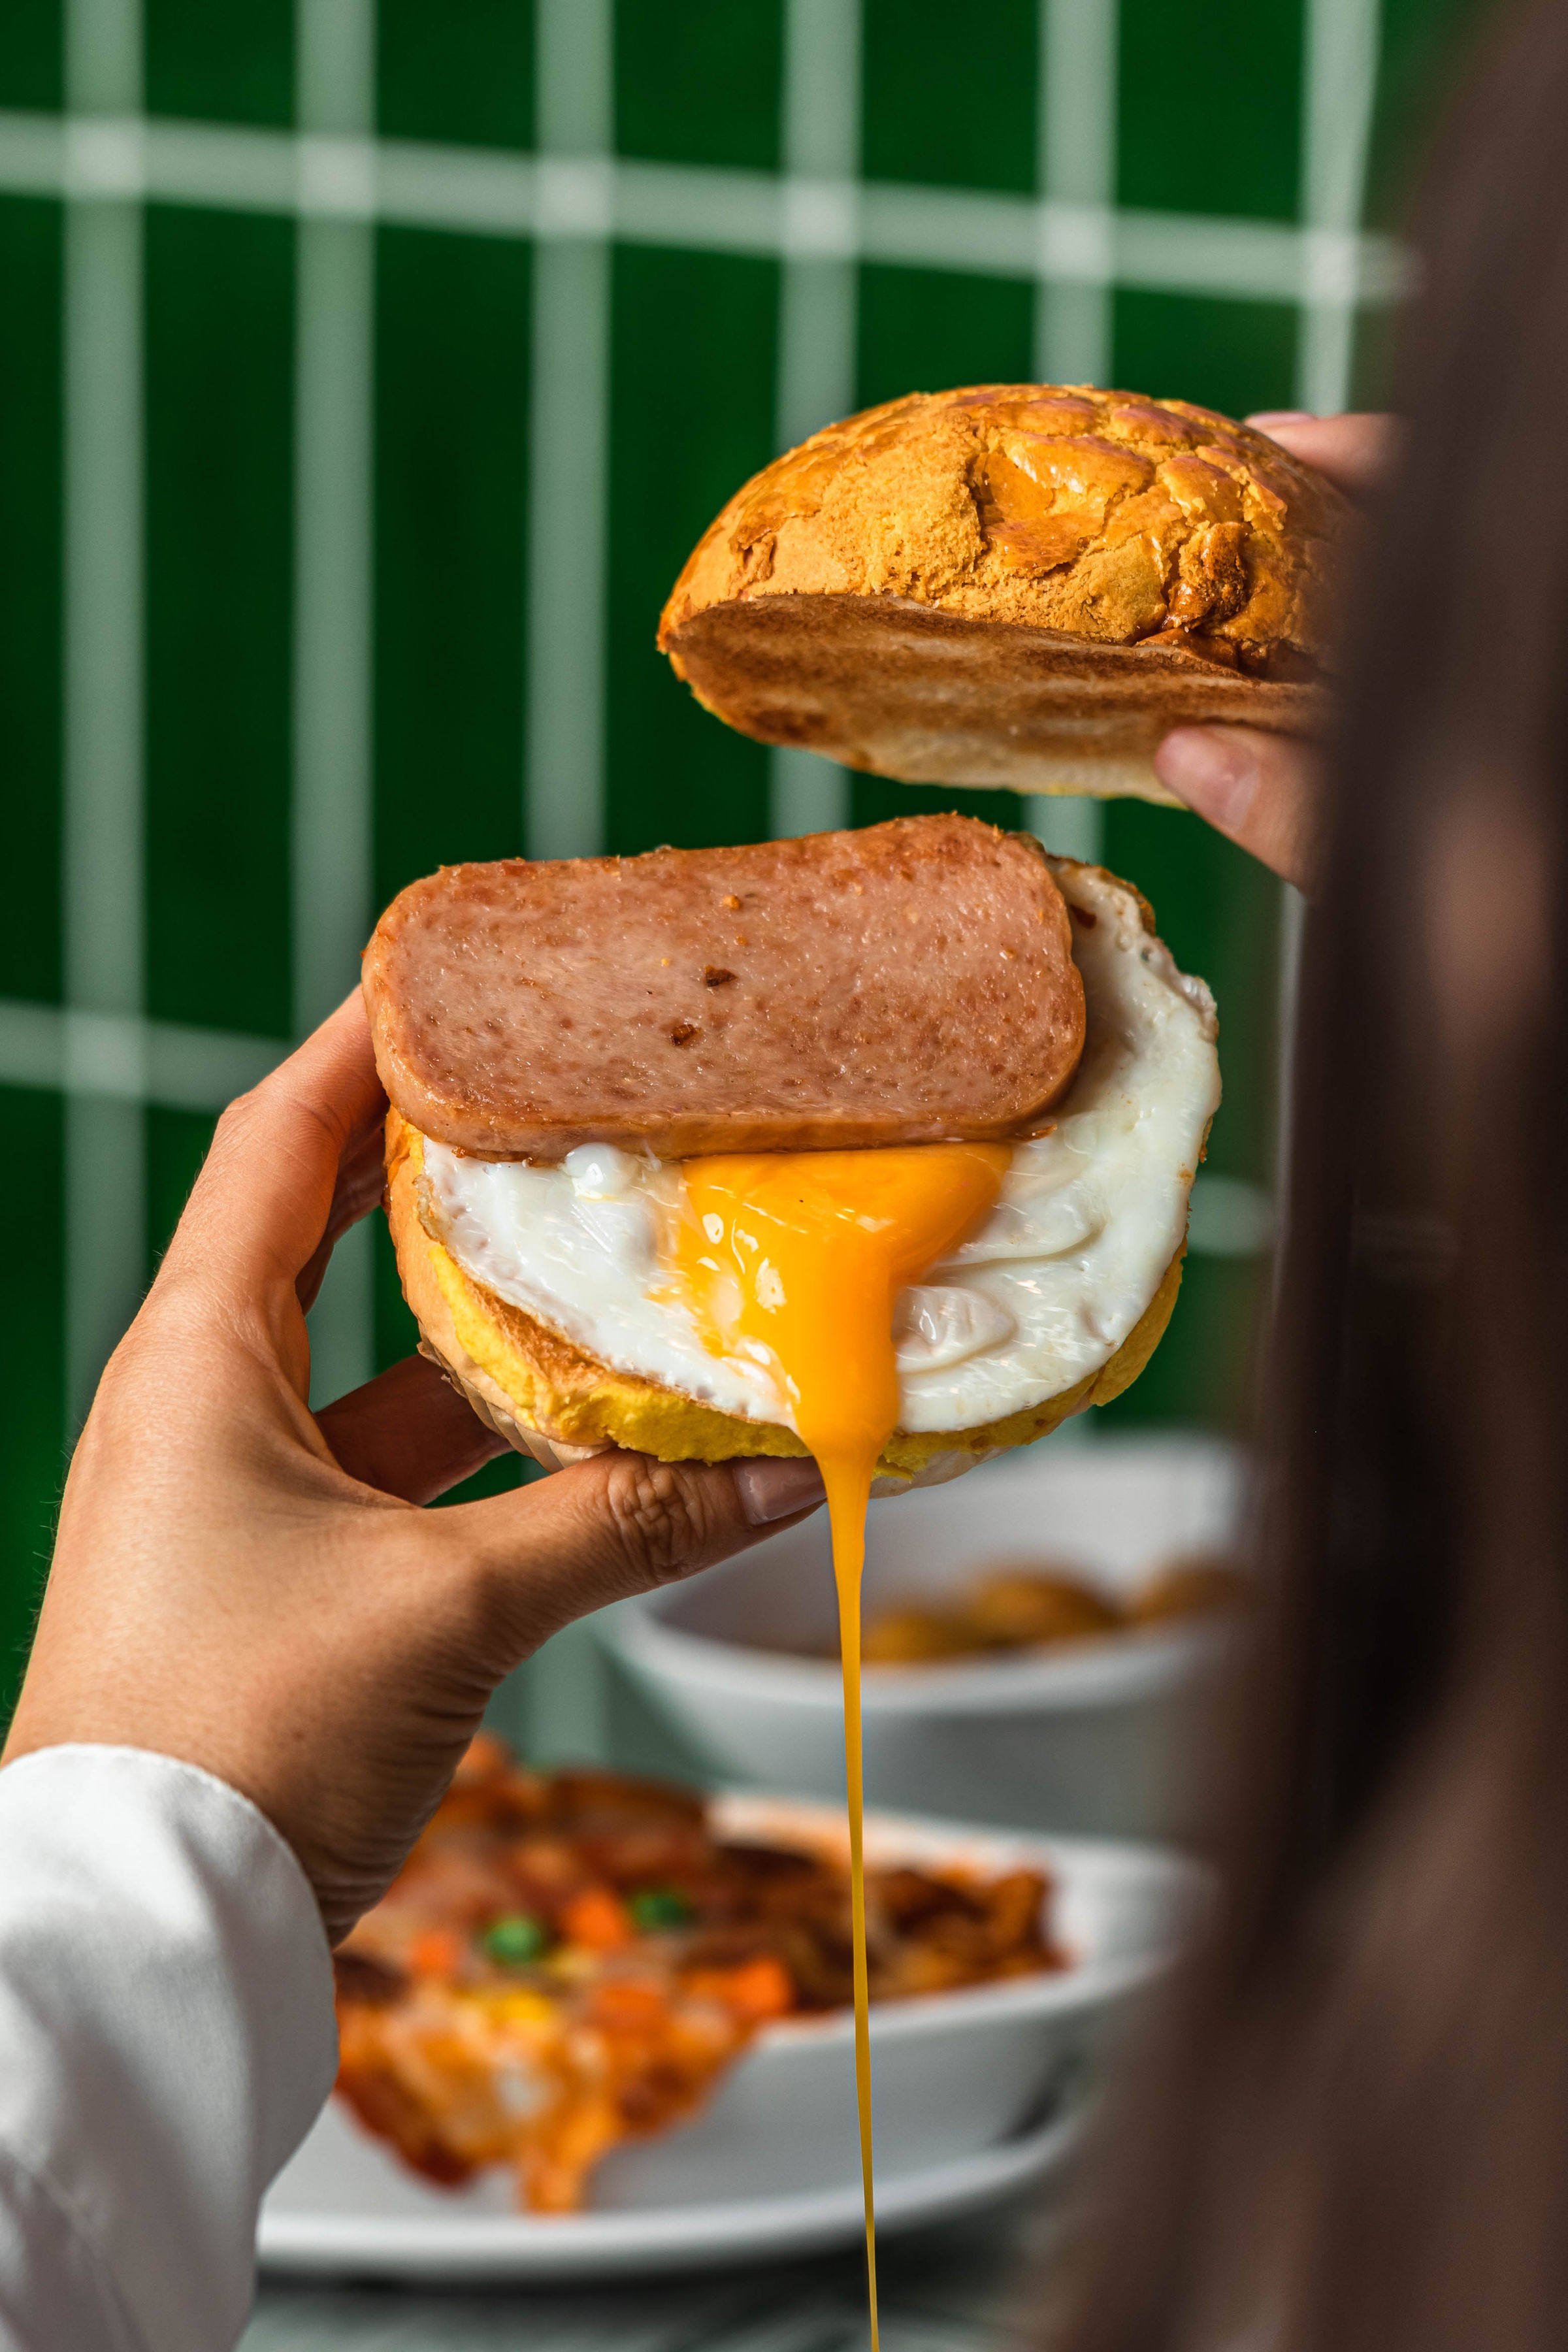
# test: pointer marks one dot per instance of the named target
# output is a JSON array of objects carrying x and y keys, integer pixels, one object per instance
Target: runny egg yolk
[{"x": 801, "y": 1256}]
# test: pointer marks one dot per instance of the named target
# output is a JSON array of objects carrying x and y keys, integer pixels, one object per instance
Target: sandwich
[{"x": 1019, "y": 585}]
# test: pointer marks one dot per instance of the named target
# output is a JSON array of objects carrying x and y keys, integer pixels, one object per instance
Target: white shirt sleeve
[{"x": 166, "y": 2039}]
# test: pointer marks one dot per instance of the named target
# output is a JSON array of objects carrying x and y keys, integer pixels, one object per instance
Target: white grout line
[
  {"x": 1340, "y": 93},
  {"x": 103, "y": 55},
  {"x": 331, "y": 812},
  {"x": 821, "y": 151},
  {"x": 102, "y": 844},
  {"x": 806, "y": 793},
  {"x": 576, "y": 77},
  {"x": 568, "y": 496},
  {"x": 120, "y": 1057},
  {"x": 556, "y": 1702},
  {"x": 1076, "y": 121},
  {"x": 104, "y": 588},
  {"x": 1071, "y": 825},
  {"x": 331, "y": 807},
  {"x": 705, "y": 208},
  {"x": 1076, "y": 116},
  {"x": 1230, "y": 1218},
  {"x": 818, "y": 302}
]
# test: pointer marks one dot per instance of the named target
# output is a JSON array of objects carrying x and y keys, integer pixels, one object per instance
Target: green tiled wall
[
  {"x": 705, "y": 93},
  {"x": 32, "y": 55},
  {"x": 462, "y": 76},
  {"x": 922, "y": 328},
  {"x": 233, "y": 64},
  {"x": 30, "y": 594},
  {"x": 949, "y": 108},
  {"x": 1210, "y": 110},
  {"x": 450, "y": 509},
  {"x": 1234, "y": 356},
  {"x": 31, "y": 1434},
  {"x": 220, "y": 327},
  {"x": 691, "y": 415},
  {"x": 950, "y": 94}
]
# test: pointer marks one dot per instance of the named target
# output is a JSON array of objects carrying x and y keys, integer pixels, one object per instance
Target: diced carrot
[
  {"x": 564, "y": 2151},
  {"x": 436, "y": 1952},
  {"x": 629, "y": 2004},
  {"x": 598, "y": 1919},
  {"x": 758, "y": 1988}
]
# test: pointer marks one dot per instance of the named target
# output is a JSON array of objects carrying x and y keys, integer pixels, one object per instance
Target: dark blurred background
[{"x": 367, "y": 372}]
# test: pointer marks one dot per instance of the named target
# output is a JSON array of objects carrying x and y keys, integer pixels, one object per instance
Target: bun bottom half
[{"x": 553, "y": 1400}]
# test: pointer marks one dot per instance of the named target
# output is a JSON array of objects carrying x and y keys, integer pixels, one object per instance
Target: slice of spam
[{"x": 912, "y": 983}]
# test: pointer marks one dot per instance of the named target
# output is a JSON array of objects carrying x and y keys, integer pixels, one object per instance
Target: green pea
[
  {"x": 513, "y": 1941},
  {"x": 660, "y": 1906}
]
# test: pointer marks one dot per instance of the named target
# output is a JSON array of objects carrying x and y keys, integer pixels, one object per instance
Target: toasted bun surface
[
  {"x": 908, "y": 983},
  {"x": 1015, "y": 585},
  {"x": 528, "y": 1383}
]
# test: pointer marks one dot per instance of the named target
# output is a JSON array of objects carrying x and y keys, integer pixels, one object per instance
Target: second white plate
[{"x": 314, "y": 2222}]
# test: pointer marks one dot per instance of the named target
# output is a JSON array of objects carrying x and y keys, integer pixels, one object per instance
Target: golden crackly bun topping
[{"x": 1102, "y": 514}]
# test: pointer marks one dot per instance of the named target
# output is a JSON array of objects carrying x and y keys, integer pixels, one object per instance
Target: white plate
[
  {"x": 434, "y": 2243},
  {"x": 771, "y": 2163},
  {"x": 1095, "y": 1738}
]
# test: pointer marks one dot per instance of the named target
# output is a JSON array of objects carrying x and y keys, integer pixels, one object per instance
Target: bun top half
[{"x": 1015, "y": 585}]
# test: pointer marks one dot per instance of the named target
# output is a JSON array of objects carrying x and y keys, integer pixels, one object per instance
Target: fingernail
[
  {"x": 772, "y": 1489},
  {"x": 1262, "y": 418},
  {"x": 1213, "y": 770}
]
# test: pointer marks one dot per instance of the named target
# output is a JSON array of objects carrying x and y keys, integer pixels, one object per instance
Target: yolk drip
[{"x": 798, "y": 1258}]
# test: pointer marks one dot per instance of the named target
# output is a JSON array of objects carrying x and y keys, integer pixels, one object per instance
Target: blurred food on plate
[
  {"x": 569, "y": 1960},
  {"x": 1189, "y": 1586},
  {"x": 1029, "y": 1605}
]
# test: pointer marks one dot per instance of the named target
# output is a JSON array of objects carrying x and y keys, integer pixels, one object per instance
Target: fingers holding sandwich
[
  {"x": 617, "y": 1524},
  {"x": 242, "y": 1584},
  {"x": 408, "y": 1433}
]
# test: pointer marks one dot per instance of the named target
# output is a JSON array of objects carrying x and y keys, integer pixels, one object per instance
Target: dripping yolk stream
[{"x": 798, "y": 1258}]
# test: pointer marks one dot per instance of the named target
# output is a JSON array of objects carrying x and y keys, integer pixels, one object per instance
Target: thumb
[{"x": 618, "y": 1524}]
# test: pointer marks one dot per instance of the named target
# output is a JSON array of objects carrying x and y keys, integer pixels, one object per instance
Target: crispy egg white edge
[{"x": 1088, "y": 1219}]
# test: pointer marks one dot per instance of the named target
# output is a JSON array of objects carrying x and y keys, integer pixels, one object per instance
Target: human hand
[
  {"x": 246, "y": 1586},
  {"x": 1265, "y": 790}
]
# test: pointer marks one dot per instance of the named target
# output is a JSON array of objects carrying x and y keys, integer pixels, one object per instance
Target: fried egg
[{"x": 1014, "y": 1273}]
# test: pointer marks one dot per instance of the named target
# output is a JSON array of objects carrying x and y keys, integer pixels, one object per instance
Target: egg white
[{"x": 1041, "y": 1295}]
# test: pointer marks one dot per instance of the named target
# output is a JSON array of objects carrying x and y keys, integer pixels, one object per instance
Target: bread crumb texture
[{"x": 1103, "y": 515}]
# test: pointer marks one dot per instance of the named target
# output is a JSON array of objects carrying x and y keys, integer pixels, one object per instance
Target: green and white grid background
[{"x": 367, "y": 372}]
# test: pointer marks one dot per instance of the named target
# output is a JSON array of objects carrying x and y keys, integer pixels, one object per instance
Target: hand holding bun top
[
  {"x": 1264, "y": 789},
  {"x": 244, "y": 1585},
  {"x": 1042, "y": 586}
]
